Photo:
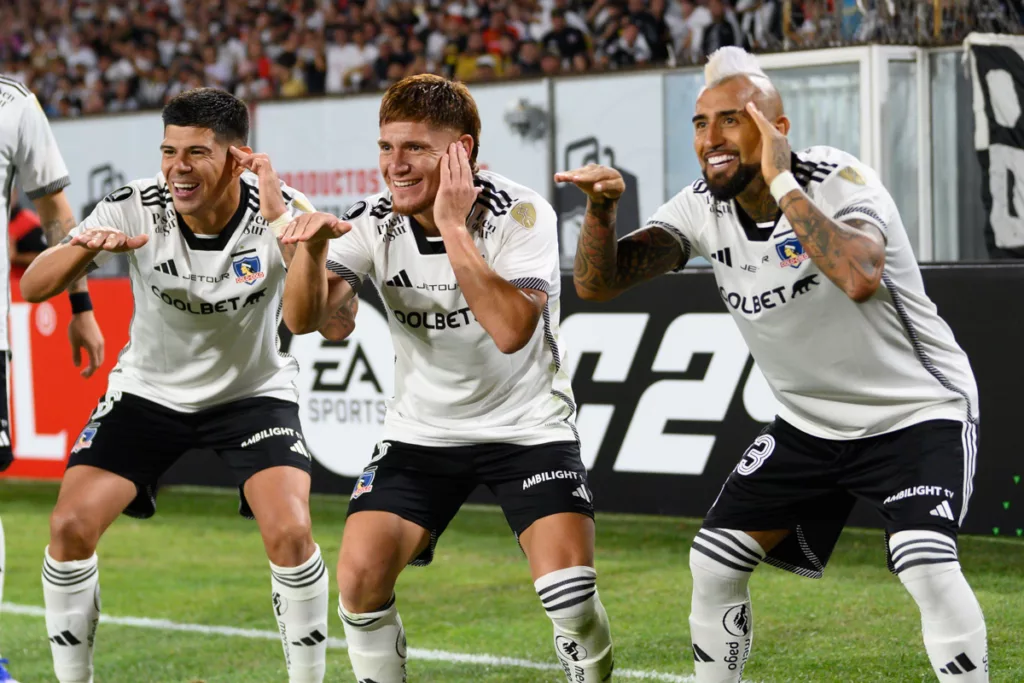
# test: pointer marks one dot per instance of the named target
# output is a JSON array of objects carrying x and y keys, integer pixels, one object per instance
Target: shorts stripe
[{"x": 970, "y": 445}]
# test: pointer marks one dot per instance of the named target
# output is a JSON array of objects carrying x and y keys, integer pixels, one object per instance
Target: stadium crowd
[{"x": 93, "y": 56}]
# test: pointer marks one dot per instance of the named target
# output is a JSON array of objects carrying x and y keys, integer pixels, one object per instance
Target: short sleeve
[
  {"x": 528, "y": 257},
  {"x": 41, "y": 169},
  {"x": 854, "y": 191},
  {"x": 351, "y": 255},
  {"x": 114, "y": 211},
  {"x": 678, "y": 218}
]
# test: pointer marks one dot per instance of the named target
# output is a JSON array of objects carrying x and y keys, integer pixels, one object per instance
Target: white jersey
[
  {"x": 840, "y": 369},
  {"x": 207, "y": 308},
  {"x": 452, "y": 384},
  {"x": 28, "y": 156}
]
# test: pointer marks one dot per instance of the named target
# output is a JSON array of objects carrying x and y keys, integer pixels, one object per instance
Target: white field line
[{"x": 414, "y": 653}]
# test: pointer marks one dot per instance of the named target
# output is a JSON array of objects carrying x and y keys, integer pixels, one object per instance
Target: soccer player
[
  {"x": 466, "y": 262},
  {"x": 878, "y": 401},
  {"x": 202, "y": 369},
  {"x": 29, "y": 157}
]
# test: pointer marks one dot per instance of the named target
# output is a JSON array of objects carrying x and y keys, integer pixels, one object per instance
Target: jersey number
[{"x": 756, "y": 454}]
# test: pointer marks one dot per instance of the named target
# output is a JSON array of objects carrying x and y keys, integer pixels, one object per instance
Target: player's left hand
[
  {"x": 314, "y": 227},
  {"x": 84, "y": 333},
  {"x": 272, "y": 204},
  {"x": 456, "y": 194},
  {"x": 776, "y": 154}
]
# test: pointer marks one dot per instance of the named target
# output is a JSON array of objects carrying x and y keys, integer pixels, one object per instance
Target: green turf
[{"x": 198, "y": 562}]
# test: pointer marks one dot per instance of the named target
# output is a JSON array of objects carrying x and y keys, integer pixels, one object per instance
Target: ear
[
  {"x": 782, "y": 125},
  {"x": 236, "y": 168},
  {"x": 467, "y": 142}
]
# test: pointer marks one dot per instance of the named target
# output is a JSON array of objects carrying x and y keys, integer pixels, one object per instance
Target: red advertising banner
[{"x": 50, "y": 400}]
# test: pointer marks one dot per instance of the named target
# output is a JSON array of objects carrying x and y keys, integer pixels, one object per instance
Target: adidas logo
[
  {"x": 65, "y": 638},
  {"x": 300, "y": 448},
  {"x": 700, "y": 656},
  {"x": 5, "y": 440},
  {"x": 723, "y": 256},
  {"x": 167, "y": 267},
  {"x": 943, "y": 510},
  {"x": 966, "y": 665},
  {"x": 314, "y": 638},
  {"x": 400, "y": 280},
  {"x": 581, "y": 492}
]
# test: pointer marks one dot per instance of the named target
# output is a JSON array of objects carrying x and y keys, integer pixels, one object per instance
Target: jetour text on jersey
[{"x": 205, "y": 307}]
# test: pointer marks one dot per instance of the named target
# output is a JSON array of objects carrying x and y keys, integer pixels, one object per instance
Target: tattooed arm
[
  {"x": 850, "y": 253},
  {"x": 604, "y": 267},
  {"x": 57, "y": 221}
]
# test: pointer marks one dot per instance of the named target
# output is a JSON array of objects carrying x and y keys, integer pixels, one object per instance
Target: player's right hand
[
  {"x": 108, "y": 239},
  {"x": 313, "y": 228},
  {"x": 599, "y": 183}
]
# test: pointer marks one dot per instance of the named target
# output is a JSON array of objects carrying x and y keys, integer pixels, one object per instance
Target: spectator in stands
[
  {"x": 630, "y": 48},
  {"x": 118, "y": 55},
  {"x": 567, "y": 41},
  {"x": 529, "y": 59},
  {"x": 722, "y": 30}
]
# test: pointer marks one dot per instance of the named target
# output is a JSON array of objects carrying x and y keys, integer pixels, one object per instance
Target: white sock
[
  {"x": 300, "y": 605},
  {"x": 721, "y": 620},
  {"x": 583, "y": 638},
  {"x": 376, "y": 644},
  {"x": 951, "y": 619},
  {"x": 71, "y": 591}
]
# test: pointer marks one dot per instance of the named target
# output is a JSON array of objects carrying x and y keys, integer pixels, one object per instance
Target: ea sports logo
[{"x": 343, "y": 391}]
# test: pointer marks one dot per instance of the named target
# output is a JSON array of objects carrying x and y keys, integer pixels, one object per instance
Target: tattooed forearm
[
  {"x": 851, "y": 253},
  {"x": 56, "y": 232},
  {"x": 341, "y": 324},
  {"x": 606, "y": 267}
]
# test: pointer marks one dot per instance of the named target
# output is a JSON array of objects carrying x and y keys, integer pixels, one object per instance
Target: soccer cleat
[{"x": 5, "y": 675}]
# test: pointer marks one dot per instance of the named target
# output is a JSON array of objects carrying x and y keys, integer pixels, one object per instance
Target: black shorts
[
  {"x": 920, "y": 477},
  {"x": 6, "y": 453},
  {"x": 140, "y": 440},
  {"x": 427, "y": 485}
]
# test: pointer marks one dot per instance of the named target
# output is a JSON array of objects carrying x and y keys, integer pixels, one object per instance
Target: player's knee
[
  {"x": 363, "y": 586},
  {"x": 289, "y": 542},
  {"x": 721, "y": 563},
  {"x": 927, "y": 564},
  {"x": 72, "y": 535},
  {"x": 569, "y": 597}
]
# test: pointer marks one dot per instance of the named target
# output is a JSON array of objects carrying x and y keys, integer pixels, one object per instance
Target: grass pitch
[{"x": 197, "y": 562}]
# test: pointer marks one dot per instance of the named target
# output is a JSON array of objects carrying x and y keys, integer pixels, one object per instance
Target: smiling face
[
  {"x": 198, "y": 167},
  {"x": 420, "y": 117},
  {"x": 726, "y": 139},
  {"x": 410, "y": 161}
]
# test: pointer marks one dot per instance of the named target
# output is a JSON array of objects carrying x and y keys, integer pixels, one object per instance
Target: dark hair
[
  {"x": 220, "y": 111},
  {"x": 435, "y": 101}
]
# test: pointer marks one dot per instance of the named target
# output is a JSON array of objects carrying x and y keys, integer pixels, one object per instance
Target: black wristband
[{"x": 80, "y": 302}]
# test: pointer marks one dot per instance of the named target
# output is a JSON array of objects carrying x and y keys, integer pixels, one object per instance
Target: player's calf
[
  {"x": 71, "y": 591},
  {"x": 583, "y": 637},
  {"x": 300, "y": 606},
  {"x": 376, "y": 643},
  {"x": 721, "y": 621},
  {"x": 951, "y": 619}
]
